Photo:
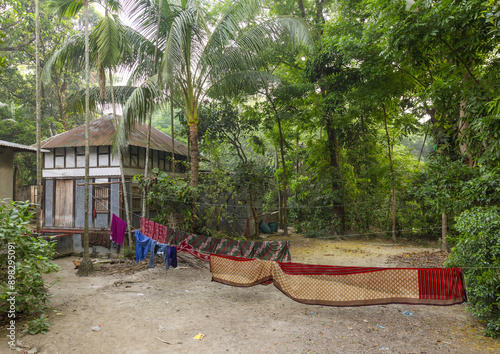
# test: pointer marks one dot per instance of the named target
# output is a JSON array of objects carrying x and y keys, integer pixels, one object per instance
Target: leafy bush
[
  {"x": 478, "y": 251},
  {"x": 26, "y": 257},
  {"x": 39, "y": 325},
  {"x": 174, "y": 199}
]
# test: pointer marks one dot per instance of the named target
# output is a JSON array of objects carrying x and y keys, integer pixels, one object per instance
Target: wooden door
[{"x": 64, "y": 203}]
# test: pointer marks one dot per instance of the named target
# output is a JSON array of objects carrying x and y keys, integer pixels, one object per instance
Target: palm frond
[
  {"x": 72, "y": 51},
  {"x": 65, "y": 8},
  {"x": 141, "y": 101},
  {"x": 146, "y": 14},
  {"x": 140, "y": 63},
  {"x": 284, "y": 28},
  {"x": 111, "y": 42},
  {"x": 76, "y": 100},
  {"x": 184, "y": 44},
  {"x": 240, "y": 55},
  {"x": 240, "y": 13},
  {"x": 244, "y": 82}
]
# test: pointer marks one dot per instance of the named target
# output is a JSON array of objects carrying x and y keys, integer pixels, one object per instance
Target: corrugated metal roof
[
  {"x": 102, "y": 132},
  {"x": 18, "y": 147}
]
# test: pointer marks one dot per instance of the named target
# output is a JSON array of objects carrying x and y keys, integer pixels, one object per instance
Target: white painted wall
[
  {"x": 70, "y": 157},
  {"x": 49, "y": 159}
]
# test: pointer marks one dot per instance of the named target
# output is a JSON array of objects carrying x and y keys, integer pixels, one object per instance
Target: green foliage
[
  {"x": 38, "y": 325},
  {"x": 477, "y": 250},
  {"x": 174, "y": 199},
  {"x": 216, "y": 188},
  {"x": 129, "y": 252},
  {"x": 452, "y": 187},
  {"x": 32, "y": 258}
]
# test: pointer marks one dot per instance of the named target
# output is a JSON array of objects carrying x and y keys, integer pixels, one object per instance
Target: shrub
[
  {"x": 30, "y": 255},
  {"x": 477, "y": 250}
]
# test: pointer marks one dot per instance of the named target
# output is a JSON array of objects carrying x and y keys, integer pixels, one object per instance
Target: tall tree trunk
[
  {"x": 392, "y": 177},
  {"x": 38, "y": 125},
  {"x": 296, "y": 197},
  {"x": 150, "y": 114},
  {"x": 193, "y": 138},
  {"x": 255, "y": 218},
  {"x": 172, "y": 131},
  {"x": 60, "y": 99},
  {"x": 302, "y": 9},
  {"x": 120, "y": 161},
  {"x": 285, "y": 192},
  {"x": 280, "y": 209},
  {"x": 86, "y": 268},
  {"x": 423, "y": 144},
  {"x": 338, "y": 209},
  {"x": 463, "y": 126},
  {"x": 125, "y": 199},
  {"x": 444, "y": 231},
  {"x": 146, "y": 164}
]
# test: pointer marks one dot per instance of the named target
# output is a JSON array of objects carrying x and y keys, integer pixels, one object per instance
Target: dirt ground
[{"x": 161, "y": 311}]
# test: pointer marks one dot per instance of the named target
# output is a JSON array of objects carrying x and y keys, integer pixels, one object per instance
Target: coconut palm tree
[
  {"x": 69, "y": 8},
  {"x": 111, "y": 45},
  {"x": 199, "y": 61},
  {"x": 38, "y": 122}
]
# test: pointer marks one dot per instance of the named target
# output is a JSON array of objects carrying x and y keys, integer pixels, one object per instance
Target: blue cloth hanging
[{"x": 142, "y": 246}]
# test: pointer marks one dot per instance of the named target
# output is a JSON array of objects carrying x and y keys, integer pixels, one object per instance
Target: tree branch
[
  {"x": 17, "y": 48},
  {"x": 461, "y": 60}
]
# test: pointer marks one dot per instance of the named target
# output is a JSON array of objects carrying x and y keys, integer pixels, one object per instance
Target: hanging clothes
[
  {"x": 152, "y": 253},
  {"x": 172, "y": 256},
  {"x": 118, "y": 228},
  {"x": 169, "y": 254},
  {"x": 142, "y": 247},
  {"x": 345, "y": 286},
  {"x": 202, "y": 246}
]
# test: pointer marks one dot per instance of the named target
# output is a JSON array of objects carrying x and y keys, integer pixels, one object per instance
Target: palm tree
[
  {"x": 12, "y": 108},
  {"x": 38, "y": 123},
  {"x": 70, "y": 8},
  {"x": 198, "y": 62},
  {"x": 110, "y": 46}
]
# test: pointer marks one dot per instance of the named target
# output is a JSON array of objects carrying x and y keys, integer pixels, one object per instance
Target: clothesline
[
  {"x": 328, "y": 237},
  {"x": 398, "y": 231},
  {"x": 289, "y": 206}
]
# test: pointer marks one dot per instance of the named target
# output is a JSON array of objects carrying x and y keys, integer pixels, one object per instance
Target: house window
[
  {"x": 134, "y": 156},
  {"x": 136, "y": 197},
  {"x": 101, "y": 199},
  {"x": 59, "y": 156},
  {"x": 80, "y": 156},
  {"x": 161, "y": 160},
  {"x": 103, "y": 155}
]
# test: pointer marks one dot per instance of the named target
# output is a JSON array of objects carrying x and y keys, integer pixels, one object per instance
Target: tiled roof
[{"x": 102, "y": 132}]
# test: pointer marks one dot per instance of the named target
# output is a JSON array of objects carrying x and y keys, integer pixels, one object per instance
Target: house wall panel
[
  {"x": 93, "y": 156},
  {"x": 63, "y": 203},
  {"x": 115, "y": 197},
  {"x": 115, "y": 160},
  {"x": 49, "y": 202},
  {"x": 79, "y": 203},
  {"x": 49, "y": 159}
]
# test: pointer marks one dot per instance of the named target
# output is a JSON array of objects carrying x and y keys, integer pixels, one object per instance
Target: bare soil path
[{"x": 159, "y": 311}]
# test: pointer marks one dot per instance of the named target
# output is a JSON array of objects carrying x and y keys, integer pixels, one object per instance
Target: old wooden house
[{"x": 64, "y": 170}]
